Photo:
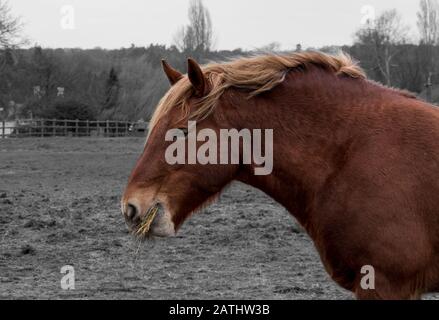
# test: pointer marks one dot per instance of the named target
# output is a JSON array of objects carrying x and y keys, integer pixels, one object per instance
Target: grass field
[{"x": 59, "y": 205}]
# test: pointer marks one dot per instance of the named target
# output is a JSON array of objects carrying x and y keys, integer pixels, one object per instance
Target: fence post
[
  {"x": 107, "y": 130},
  {"x": 53, "y": 127},
  {"x": 77, "y": 128},
  {"x": 42, "y": 128},
  {"x": 126, "y": 128},
  {"x": 65, "y": 128},
  {"x": 87, "y": 128},
  {"x": 3, "y": 128}
]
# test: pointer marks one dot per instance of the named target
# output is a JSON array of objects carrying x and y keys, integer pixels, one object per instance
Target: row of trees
[
  {"x": 123, "y": 84},
  {"x": 120, "y": 84},
  {"x": 388, "y": 53},
  {"x": 126, "y": 84},
  {"x": 110, "y": 84}
]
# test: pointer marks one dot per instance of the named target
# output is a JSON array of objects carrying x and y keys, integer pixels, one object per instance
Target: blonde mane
[{"x": 256, "y": 74}]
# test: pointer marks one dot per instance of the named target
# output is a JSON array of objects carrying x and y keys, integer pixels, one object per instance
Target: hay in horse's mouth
[{"x": 149, "y": 218}]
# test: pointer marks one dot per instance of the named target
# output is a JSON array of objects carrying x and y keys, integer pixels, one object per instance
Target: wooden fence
[{"x": 72, "y": 128}]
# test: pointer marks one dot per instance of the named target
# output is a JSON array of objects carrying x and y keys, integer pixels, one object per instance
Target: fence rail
[{"x": 72, "y": 128}]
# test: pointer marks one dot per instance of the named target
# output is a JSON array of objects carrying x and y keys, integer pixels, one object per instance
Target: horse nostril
[{"x": 131, "y": 212}]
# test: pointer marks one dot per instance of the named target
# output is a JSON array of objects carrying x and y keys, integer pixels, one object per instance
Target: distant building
[{"x": 60, "y": 92}]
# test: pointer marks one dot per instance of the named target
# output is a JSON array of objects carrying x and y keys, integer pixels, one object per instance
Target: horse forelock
[{"x": 256, "y": 74}]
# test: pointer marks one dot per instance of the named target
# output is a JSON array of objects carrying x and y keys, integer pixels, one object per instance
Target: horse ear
[
  {"x": 196, "y": 77},
  {"x": 172, "y": 74}
]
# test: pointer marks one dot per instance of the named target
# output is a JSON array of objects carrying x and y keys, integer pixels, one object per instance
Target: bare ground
[{"x": 59, "y": 205}]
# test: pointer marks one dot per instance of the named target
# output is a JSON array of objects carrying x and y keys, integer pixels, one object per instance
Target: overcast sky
[{"x": 237, "y": 23}]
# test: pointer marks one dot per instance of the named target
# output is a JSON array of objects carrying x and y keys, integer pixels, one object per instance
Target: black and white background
[{"x": 98, "y": 62}]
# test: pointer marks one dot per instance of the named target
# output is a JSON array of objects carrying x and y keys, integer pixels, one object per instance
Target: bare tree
[
  {"x": 10, "y": 27},
  {"x": 382, "y": 36},
  {"x": 197, "y": 36},
  {"x": 428, "y": 25},
  {"x": 270, "y": 47},
  {"x": 428, "y": 22}
]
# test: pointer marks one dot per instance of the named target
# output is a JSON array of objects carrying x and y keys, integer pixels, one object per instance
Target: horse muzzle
[{"x": 155, "y": 221}]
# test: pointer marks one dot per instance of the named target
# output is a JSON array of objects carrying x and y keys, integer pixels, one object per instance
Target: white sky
[{"x": 238, "y": 23}]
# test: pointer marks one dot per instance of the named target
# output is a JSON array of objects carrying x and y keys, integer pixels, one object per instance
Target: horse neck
[{"x": 313, "y": 128}]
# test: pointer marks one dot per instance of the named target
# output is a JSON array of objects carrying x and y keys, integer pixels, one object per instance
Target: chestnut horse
[{"x": 355, "y": 162}]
